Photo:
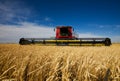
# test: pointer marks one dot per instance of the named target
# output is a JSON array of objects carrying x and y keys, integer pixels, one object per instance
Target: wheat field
[{"x": 59, "y": 63}]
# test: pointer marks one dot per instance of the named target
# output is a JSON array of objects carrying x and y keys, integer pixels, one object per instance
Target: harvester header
[{"x": 64, "y": 36}]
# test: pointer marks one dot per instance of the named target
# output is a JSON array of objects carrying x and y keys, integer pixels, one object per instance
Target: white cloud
[
  {"x": 12, "y": 33},
  {"x": 88, "y": 35},
  {"x": 115, "y": 38},
  {"x": 105, "y": 26},
  {"x": 47, "y": 19},
  {"x": 101, "y": 26},
  {"x": 117, "y": 26},
  {"x": 14, "y": 9}
]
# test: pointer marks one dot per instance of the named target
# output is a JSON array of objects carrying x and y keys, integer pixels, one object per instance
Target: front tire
[
  {"x": 23, "y": 41},
  {"x": 107, "y": 42}
]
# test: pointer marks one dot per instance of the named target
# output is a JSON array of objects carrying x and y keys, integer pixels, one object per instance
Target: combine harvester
[{"x": 64, "y": 36}]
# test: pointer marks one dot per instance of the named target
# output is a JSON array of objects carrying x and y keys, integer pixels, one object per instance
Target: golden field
[{"x": 59, "y": 63}]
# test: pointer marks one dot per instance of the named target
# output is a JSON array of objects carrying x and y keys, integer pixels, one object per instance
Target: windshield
[{"x": 64, "y": 32}]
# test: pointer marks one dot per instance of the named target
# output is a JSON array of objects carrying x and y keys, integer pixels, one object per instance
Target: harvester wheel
[
  {"x": 107, "y": 42},
  {"x": 23, "y": 41}
]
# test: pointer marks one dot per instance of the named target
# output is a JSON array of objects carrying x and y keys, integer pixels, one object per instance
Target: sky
[{"x": 38, "y": 18}]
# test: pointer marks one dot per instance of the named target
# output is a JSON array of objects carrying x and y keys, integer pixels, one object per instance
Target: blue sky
[{"x": 90, "y": 18}]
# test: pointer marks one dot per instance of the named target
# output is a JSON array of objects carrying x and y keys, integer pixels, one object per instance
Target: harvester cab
[
  {"x": 65, "y": 36},
  {"x": 64, "y": 32}
]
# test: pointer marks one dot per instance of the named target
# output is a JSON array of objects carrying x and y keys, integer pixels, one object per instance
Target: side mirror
[{"x": 73, "y": 29}]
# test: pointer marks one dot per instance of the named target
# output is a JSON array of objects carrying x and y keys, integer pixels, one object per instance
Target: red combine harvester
[{"x": 64, "y": 36}]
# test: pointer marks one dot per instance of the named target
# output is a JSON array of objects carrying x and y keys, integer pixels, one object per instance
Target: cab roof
[{"x": 63, "y": 26}]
